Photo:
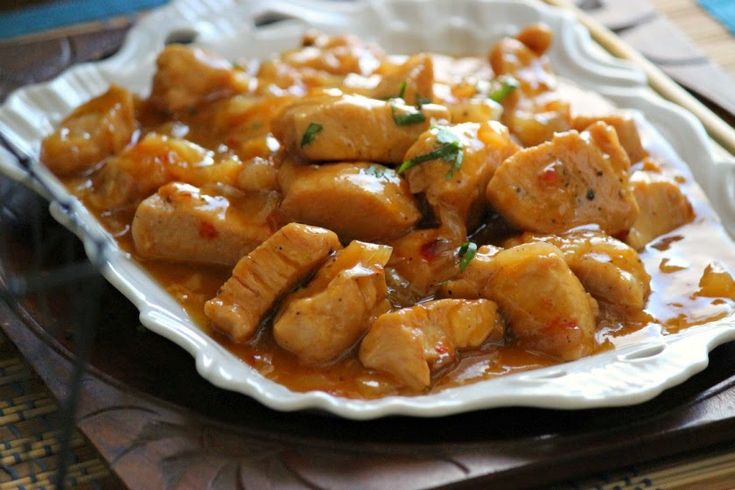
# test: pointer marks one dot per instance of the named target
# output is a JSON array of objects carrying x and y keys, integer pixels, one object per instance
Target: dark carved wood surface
[{"x": 158, "y": 424}]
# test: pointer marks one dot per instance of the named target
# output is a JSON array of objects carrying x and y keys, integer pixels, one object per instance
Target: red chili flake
[
  {"x": 549, "y": 174},
  {"x": 207, "y": 230},
  {"x": 430, "y": 250}
]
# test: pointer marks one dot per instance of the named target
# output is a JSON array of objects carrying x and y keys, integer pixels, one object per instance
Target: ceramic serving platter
[{"x": 632, "y": 373}]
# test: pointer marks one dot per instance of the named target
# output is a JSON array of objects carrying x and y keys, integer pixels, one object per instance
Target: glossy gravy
[{"x": 691, "y": 285}]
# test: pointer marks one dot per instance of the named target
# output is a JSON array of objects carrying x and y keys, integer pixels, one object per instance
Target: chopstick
[{"x": 717, "y": 128}]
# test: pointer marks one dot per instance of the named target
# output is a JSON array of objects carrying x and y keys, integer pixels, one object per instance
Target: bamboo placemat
[{"x": 29, "y": 433}]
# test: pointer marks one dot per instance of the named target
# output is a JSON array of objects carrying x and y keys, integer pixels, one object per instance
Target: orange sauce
[{"x": 684, "y": 294}]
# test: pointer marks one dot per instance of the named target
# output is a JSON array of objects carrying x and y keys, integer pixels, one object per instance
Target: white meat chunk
[
  {"x": 663, "y": 207},
  {"x": 265, "y": 274},
  {"x": 545, "y": 305},
  {"x": 454, "y": 182},
  {"x": 187, "y": 77},
  {"x": 95, "y": 130},
  {"x": 155, "y": 160},
  {"x": 183, "y": 223},
  {"x": 353, "y": 128},
  {"x": 413, "y": 81},
  {"x": 611, "y": 271},
  {"x": 410, "y": 343},
  {"x": 573, "y": 180},
  {"x": 358, "y": 201},
  {"x": 320, "y": 322}
]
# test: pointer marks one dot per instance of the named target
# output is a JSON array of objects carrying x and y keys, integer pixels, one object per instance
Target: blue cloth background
[
  {"x": 722, "y": 10},
  {"x": 67, "y": 12}
]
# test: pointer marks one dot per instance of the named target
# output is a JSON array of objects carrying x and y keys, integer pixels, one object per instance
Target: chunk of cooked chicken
[
  {"x": 426, "y": 258},
  {"x": 544, "y": 303},
  {"x": 411, "y": 342},
  {"x": 323, "y": 320},
  {"x": 413, "y": 81},
  {"x": 471, "y": 282},
  {"x": 338, "y": 55},
  {"x": 663, "y": 207},
  {"x": 353, "y": 128},
  {"x": 155, "y": 160},
  {"x": 625, "y": 128},
  {"x": 456, "y": 194},
  {"x": 266, "y": 274},
  {"x": 475, "y": 109},
  {"x": 258, "y": 174},
  {"x": 358, "y": 201},
  {"x": 536, "y": 110},
  {"x": 567, "y": 182},
  {"x": 188, "y": 76},
  {"x": 95, "y": 130},
  {"x": 546, "y": 307},
  {"x": 213, "y": 225},
  {"x": 241, "y": 122},
  {"x": 611, "y": 271}
]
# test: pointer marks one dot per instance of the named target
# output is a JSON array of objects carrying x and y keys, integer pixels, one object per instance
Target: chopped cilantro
[
  {"x": 507, "y": 86},
  {"x": 402, "y": 89},
  {"x": 449, "y": 150},
  {"x": 407, "y": 118},
  {"x": 310, "y": 133},
  {"x": 466, "y": 253}
]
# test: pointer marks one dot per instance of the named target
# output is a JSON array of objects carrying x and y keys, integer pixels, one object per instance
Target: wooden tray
[{"x": 158, "y": 424}]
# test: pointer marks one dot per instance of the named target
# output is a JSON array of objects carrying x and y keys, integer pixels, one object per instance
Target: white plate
[{"x": 628, "y": 375}]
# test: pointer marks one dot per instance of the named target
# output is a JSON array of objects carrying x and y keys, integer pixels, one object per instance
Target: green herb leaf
[
  {"x": 466, "y": 253},
  {"x": 507, "y": 86},
  {"x": 408, "y": 118},
  {"x": 402, "y": 89},
  {"x": 449, "y": 150},
  {"x": 310, "y": 133}
]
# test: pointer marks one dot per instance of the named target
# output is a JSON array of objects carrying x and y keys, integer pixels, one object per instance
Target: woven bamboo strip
[
  {"x": 28, "y": 405},
  {"x": 28, "y": 414},
  {"x": 38, "y": 450},
  {"x": 75, "y": 471}
]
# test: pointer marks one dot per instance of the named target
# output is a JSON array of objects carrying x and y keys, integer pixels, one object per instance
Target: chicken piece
[
  {"x": 95, "y": 130},
  {"x": 475, "y": 109},
  {"x": 266, "y": 274},
  {"x": 567, "y": 182},
  {"x": 624, "y": 127},
  {"x": 609, "y": 270},
  {"x": 258, "y": 174},
  {"x": 242, "y": 122},
  {"x": 413, "y": 81},
  {"x": 358, "y": 201},
  {"x": 214, "y": 226},
  {"x": 412, "y": 342},
  {"x": 338, "y": 55},
  {"x": 321, "y": 321},
  {"x": 471, "y": 282},
  {"x": 456, "y": 194},
  {"x": 426, "y": 258},
  {"x": 545, "y": 305},
  {"x": 187, "y": 76},
  {"x": 536, "y": 110},
  {"x": 663, "y": 207},
  {"x": 353, "y": 128},
  {"x": 155, "y": 160}
]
